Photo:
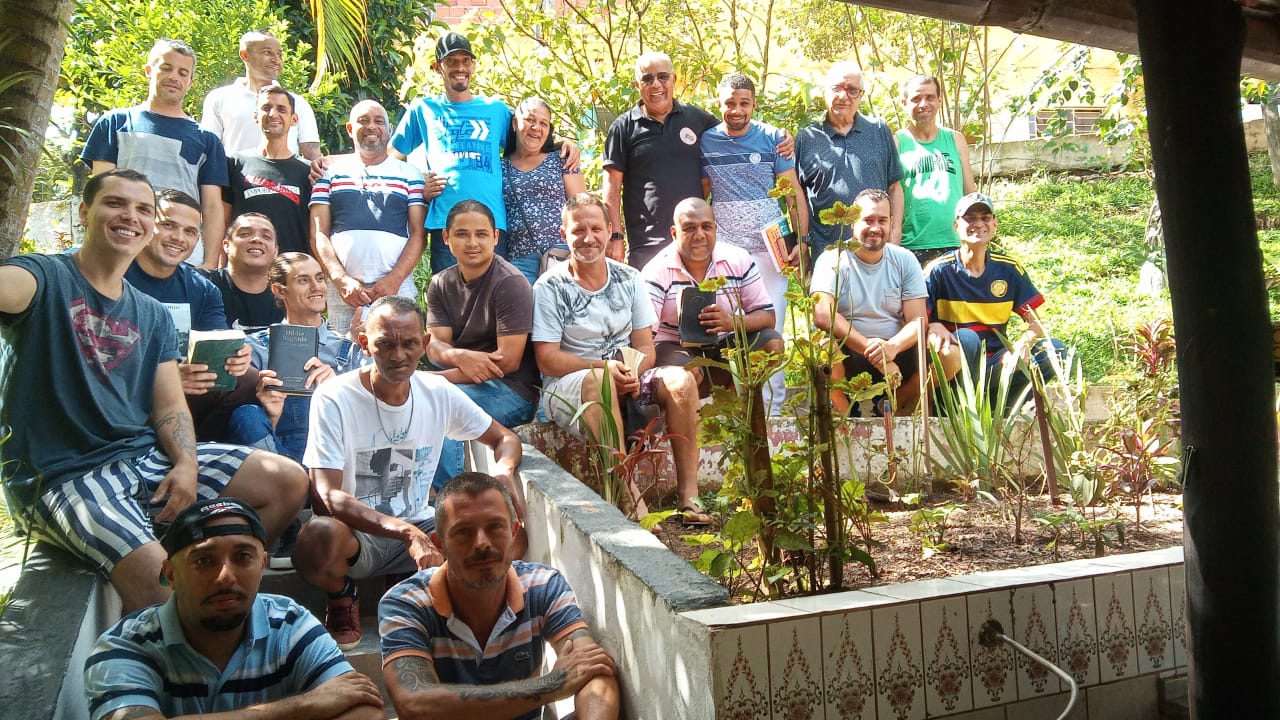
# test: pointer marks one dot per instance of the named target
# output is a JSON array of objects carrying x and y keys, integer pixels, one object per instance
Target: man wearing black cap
[
  {"x": 217, "y": 645},
  {"x": 463, "y": 136}
]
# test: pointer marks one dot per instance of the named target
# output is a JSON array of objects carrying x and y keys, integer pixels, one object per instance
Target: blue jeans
[
  {"x": 503, "y": 404},
  {"x": 249, "y": 425},
  {"x": 529, "y": 265},
  {"x": 442, "y": 257},
  {"x": 971, "y": 346}
]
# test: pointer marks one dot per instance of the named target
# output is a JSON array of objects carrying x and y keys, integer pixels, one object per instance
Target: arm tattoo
[
  {"x": 183, "y": 431},
  {"x": 532, "y": 689},
  {"x": 414, "y": 673}
]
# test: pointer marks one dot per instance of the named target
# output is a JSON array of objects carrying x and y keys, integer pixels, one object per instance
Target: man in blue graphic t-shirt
[
  {"x": 463, "y": 136},
  {"x": 102, "y": 438}
]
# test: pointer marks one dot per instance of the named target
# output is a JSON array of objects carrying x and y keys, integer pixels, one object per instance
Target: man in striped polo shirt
[
  {"x": 217, "y": 645},
  {"x": 366, "y": 220},
  {"x": 432, "y": 658}
]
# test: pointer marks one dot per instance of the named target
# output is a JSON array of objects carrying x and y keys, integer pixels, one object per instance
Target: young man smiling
[
  {"x": 269, "y": 179},
  {"x": 113, "y": 438},
  {"x": 250, "y": 247},
  {"x": 741, "y": 163}
]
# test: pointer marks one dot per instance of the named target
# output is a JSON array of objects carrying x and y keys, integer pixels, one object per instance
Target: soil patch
[{"x": 981, "y": 539}]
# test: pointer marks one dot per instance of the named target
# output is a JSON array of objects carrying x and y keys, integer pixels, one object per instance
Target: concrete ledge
[
  {"x": 57, "y": 610},
  {"x": 631, "y": 588}
]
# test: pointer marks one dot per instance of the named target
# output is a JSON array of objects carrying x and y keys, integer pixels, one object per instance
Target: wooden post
[{"x": 1191, "y": 60}]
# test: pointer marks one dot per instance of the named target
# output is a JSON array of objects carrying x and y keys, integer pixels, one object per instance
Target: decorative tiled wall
[{"x": 911, "y": 651}]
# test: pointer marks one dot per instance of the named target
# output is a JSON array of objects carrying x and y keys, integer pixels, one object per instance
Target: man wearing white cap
[{"x": 973, "y": 292}]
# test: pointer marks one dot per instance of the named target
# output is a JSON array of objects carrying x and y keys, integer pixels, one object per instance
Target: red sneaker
[{"x": 342, "y": 620}]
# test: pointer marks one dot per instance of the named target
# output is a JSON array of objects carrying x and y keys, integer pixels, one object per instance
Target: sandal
[{"x": 693, "y": 516}]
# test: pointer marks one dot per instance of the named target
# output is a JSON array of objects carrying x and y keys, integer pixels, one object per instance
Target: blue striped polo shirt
[
  {"x": 415, "y": 618},
  {"x": 144, "y": 660}
]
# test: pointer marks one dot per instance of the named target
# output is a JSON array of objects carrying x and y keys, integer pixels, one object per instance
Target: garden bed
[{"x": 980, "y": 539}]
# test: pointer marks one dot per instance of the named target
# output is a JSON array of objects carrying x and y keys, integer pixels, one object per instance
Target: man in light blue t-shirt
[
  {"x": 872, "y": 300},
  {"x": 463, "y": 136},
  {"x": 740, "y": 165}
]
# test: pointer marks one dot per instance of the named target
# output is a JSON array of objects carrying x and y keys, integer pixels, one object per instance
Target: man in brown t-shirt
[{"x": 479, "y": 313}]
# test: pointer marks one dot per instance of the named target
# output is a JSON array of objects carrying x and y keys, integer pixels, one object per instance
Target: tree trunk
[
  {"x": 39, "y": 36},
  {"x": 1224, "y": 356},
  {"x": 1271, "y": 122}
]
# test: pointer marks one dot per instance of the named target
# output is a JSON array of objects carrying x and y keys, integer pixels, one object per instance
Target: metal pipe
[{"x": 992, "y": 634}]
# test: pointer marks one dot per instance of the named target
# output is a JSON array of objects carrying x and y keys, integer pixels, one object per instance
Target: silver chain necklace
[{"x": 403, "y": 433}]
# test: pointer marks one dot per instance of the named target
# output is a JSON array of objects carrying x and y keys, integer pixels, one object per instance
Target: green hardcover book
[
  {"x": 289, "y": 347},
  {"x": 212, "y": 348}
]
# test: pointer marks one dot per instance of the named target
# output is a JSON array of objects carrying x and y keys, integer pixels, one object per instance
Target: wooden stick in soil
[
  {"x": 821, "y": 407},
  {"x": 923, "y": 373},
  {"x": 760, "y": 470}
]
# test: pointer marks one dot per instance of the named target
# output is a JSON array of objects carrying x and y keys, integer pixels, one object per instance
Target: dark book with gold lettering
[
  {"x": 212, "y": 348},
  {"x": 289, "y": 347},
  {"x": 692, "y": 332}
]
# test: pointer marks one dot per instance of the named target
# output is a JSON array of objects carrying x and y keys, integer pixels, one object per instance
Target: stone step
[{"x": 366, "y": 657}]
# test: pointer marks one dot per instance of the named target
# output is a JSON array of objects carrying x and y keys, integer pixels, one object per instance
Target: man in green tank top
[{"x": 936, "y": 172}]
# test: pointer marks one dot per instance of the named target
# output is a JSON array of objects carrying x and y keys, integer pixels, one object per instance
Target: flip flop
[{"x": 693, "y": 516}]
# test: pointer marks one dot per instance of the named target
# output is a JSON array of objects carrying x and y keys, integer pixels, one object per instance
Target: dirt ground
[{"x": 981, "y": 539}]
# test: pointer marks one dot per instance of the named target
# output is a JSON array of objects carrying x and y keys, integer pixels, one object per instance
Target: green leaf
[
  {"x": 741, "y": 529},
  {"x": 790, "y": 540},
  {"x": 720, "y": 565},
  {"x": 650, "y": 521}
]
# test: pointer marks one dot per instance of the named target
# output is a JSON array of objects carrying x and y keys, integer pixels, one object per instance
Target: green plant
[
  {"x": 977, "y": 421},
  {"x": 930, "y": 523}
]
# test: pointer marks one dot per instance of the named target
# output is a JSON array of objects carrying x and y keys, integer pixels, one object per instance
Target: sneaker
[
  {"x": 342, "y": 620},
  {"x": 282, "y": 552}
]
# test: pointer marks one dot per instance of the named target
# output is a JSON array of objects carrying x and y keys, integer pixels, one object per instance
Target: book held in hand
[
  {"x": 781, "y": 240},
  {"x": 212, "y": 348},
  {"x": 692, "y": 332},
  {"x": 289, "y": 347}
]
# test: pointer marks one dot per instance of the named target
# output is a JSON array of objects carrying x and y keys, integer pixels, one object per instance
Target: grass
[{"x": 1081, "y": 241}]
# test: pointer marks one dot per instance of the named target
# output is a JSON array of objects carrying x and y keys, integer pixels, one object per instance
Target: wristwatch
[{"x": 615, "y": 235}]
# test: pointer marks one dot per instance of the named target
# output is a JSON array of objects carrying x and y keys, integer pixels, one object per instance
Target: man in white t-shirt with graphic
[{"x": 372, "y": 451}]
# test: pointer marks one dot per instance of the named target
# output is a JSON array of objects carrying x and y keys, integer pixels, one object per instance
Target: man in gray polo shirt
[{"x": 845, "y": 154}]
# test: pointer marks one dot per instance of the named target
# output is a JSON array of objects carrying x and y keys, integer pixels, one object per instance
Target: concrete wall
[{"x": 633, "y": 592}]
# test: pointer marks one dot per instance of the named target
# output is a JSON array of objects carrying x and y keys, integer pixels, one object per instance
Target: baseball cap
[
  {"x": 452, "y": 43},
  {"x": 190, "y": 525},
  {"x": 974, "y": 198}
]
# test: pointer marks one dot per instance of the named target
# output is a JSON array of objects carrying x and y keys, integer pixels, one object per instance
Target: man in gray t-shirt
[{"x": 872, "y": 301}]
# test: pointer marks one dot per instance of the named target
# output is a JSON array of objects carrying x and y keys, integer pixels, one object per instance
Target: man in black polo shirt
[
  {"x": 652, "y": 161},
  {"x": 270, "y": 179}
]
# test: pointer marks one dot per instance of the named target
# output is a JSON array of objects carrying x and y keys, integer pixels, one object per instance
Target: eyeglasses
[
  {"x": 662, "y": 77},
  {"x": 853, "y": 92}
]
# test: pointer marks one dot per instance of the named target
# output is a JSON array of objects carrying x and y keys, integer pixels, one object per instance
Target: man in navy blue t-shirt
[
  {"x": 158, "y": 139},
  {"x": 102, "y": 438}
]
